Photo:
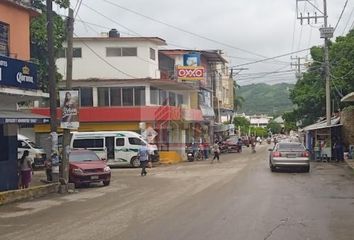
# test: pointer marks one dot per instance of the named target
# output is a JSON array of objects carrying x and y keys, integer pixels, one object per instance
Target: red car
[{"x": 86, "y": 167}]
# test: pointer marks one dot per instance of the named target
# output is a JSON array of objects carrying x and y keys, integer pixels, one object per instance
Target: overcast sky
[{"x": 263, "y": 28}]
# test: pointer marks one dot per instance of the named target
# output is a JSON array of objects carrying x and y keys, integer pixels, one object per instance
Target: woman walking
[{"x": 26, "y": 170}]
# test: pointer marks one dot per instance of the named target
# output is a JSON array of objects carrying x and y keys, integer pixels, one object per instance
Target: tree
[
  {"x": 39, "y": 51},
  {"x": 274, "y": 127},
  {"x": 309, "y": 91},
  {"x": 238, "y": 100},
  {"x": 290, "y": 120},
  {"x": 242, "y": 123}
]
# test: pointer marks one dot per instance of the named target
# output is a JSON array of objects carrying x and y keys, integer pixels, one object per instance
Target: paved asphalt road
[{"x": 238, "y": 198}]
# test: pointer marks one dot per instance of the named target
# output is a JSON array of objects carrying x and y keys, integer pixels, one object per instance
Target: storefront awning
[
  {"x": 207, "y": 111},
  {"x": 18, "y": 117},
  {"x": 335, "y": 122}
]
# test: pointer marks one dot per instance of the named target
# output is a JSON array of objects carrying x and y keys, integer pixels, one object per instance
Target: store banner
[
  {"x": 69, "y": 104},
  {"x": 189, "y": 73},
  {"x": 17, "y": 73}
]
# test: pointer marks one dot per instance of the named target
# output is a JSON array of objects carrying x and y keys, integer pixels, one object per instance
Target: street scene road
[{"x": 238, "y": 198}]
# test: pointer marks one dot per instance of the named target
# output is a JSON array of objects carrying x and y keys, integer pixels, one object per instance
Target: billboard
[
  {"x": 69, "y": 104},
  {"x": 17, "y": 73}
]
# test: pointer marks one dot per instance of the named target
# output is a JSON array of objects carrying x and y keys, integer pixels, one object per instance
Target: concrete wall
[
  {"x": 19, "y": 21},
  {"x": 91, "y": 66},
  {"x": 347, "y": 119}
]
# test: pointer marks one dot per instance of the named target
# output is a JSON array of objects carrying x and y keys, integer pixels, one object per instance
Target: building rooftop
[
  {"x": 24, "y": 4},
  {"x": 156, "y": 40}
]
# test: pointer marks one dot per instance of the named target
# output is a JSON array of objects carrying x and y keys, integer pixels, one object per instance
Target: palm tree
[{"x": 238, "y": 100}]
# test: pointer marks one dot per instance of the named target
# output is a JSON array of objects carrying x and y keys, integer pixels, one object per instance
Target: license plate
[
  {"x": 94, "y": 177},
  {"x": 291, "y": 155}
]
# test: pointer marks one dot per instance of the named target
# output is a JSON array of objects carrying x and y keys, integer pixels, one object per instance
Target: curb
[
  {"x": 29, "y": 193},
  {"x": 350, "y": 163}
]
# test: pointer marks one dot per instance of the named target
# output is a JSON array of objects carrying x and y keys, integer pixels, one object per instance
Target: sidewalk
[
  {"x": 37, "y": 189},
  {"x": 350, "y": 163}
]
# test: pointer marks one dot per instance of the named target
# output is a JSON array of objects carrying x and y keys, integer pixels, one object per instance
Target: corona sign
[{"x": 190, "y": 73}]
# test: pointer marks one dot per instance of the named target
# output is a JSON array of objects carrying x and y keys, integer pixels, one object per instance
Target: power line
[
  {"x": 110, "y": 19},
  {"x": 182, "y": 30},
  {"x": 271, "y": 58},
  {"x": 349, "y": 18},
  {"x": 341, "y": 14}
]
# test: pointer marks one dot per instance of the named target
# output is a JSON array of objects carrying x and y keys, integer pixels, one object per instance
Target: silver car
[{"x": 289, "y": 154}]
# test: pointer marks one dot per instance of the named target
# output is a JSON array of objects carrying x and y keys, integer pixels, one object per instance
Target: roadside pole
[
  {"x": 52, "y": 92},
  {"x": 69, "y": 70}
]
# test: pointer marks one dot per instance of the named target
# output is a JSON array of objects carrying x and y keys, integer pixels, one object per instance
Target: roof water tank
[{"x": 113, "y": 33}]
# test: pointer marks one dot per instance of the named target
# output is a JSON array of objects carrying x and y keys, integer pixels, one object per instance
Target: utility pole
[
  {"x": 52, "y": 92},
  {"x": 326, "y": 33},
  {"x": 297, "y": 65},
  {"x": 69, "y": 72}
]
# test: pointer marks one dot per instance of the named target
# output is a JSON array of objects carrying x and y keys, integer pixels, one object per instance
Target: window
[
  {"x": 139, "y": 96},
  {"x": 179, "y": 99},
  {"x": 77, "y": 53},
  {"x": 88, "y": 143},
  {"x": 22, "y": 144},
  {"x": 129, "y": 52},
  {"x": 62, "y": 53},
  {"x": 103, "y": 96},
  {"x": 120, "y": 142},
  {"x": 116, "y": 96},
  {"x": 4, "y": 39},
  {"x": 172, "y": 99},
  {"x": 128, "y": 96},
  {"x": 163, "y": 98},
  {"x": 152, "y": 54},
  {"x": 154, "y": 95},
  {"x": 86, "y": 97},
  {"x": 113, "y": 52},
  {"x": 135, "y": 141}
]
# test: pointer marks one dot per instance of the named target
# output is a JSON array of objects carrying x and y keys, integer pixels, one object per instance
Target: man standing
[{"x": 143, "y": 156}]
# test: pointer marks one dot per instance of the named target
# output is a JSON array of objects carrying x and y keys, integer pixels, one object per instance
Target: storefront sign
[
  {"x": 190, "y": 73},
  {"x": 17, "y": 73},
  {"x": 69, "y": 105}
]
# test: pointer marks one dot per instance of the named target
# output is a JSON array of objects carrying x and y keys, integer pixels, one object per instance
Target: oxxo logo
[{"x": 190, "y": 73}]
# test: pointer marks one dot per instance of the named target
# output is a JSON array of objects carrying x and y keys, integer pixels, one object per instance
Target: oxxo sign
[{"x": 191, "y": 73}]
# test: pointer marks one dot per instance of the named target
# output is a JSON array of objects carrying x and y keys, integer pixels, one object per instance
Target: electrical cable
[
  {"x": 267, "y": 59},
  {"x": 110, "y": 19},
  {"x": 182, "y": 30},
  {"x": 349, "y": 18},
  {"x": 341, "y": 15}
]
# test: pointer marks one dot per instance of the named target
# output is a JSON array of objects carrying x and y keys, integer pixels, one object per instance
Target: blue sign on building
[
  {"x": 191, "y": 59},
  {"x": 17, "y": 73}
]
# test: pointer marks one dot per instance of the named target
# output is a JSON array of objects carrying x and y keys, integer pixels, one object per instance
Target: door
[
  {"x": 110, "y": 148},
  {"x": 122, "y": 155}
]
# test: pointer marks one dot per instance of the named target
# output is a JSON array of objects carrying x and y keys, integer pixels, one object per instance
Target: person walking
[
  {"x": 143, "y": 155},
  {"x": 216, "y": 151},
  {"x": 26, "y": 170}
]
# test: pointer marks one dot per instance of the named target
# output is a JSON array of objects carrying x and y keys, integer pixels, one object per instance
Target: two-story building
[
  {"x": 120, "y": 88},
  {"x": 18, "y": 83}
]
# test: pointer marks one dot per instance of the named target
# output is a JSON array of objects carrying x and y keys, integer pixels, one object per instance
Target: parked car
[
  {"x": 232, "y": 144},
  {"x": 86, "y": 167},
  {"x": 289, "y": 154}
]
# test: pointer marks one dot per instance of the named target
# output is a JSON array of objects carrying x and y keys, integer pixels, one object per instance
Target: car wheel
[
  {"x": 272, "y": 168},
  {"x": 135, "y": 162},
  {"x": 106, "y": 183},
  {"x": 307, "y": 169}
]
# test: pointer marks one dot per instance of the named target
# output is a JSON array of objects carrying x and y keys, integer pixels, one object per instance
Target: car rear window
[
  {"x": 83, "y": 156},
  {"x": 290, "y": 147}
]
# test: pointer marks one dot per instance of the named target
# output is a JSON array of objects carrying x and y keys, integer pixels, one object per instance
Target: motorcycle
[{"x": 190, "y": 154}]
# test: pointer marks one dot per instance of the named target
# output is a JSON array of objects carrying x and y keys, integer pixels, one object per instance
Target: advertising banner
[
  {"x": 17, "y": 73},
  {"x": 69, "y": 104},
  {"x": 191, "y": 59},
  {"x": 190, "y": 73}
]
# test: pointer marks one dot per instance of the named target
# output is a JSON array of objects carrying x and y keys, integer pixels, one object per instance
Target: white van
[
  {"x": 119, "y": 148},
  {"x": 35, "y": 152}
]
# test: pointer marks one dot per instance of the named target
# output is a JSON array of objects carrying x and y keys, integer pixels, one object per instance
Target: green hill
[{"x": 262, "y": 98}]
